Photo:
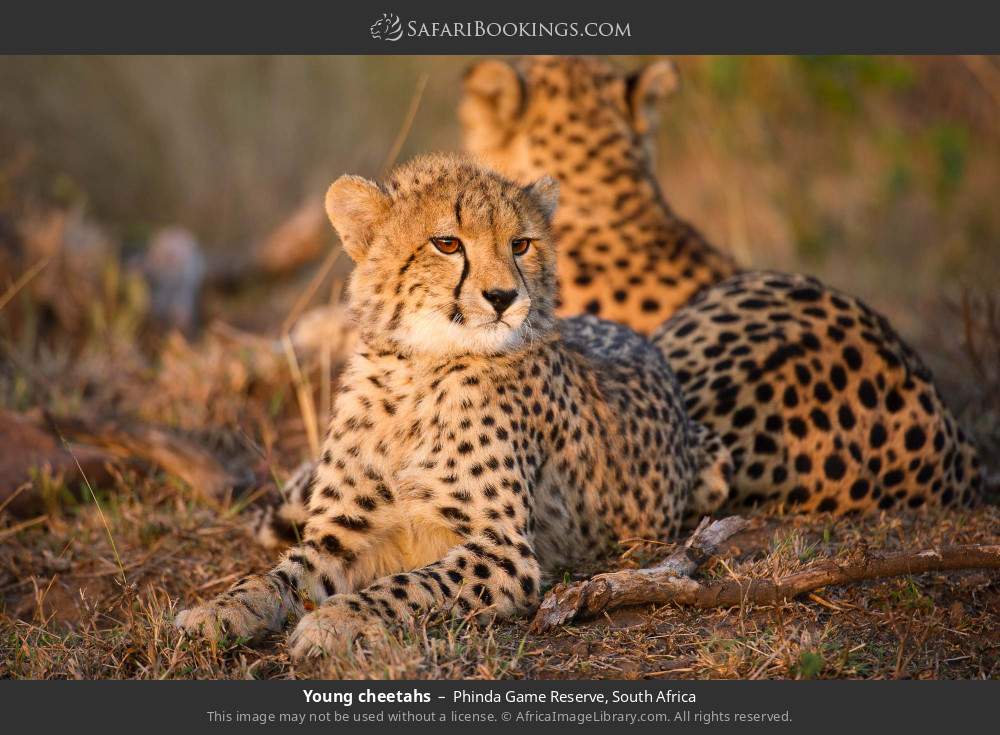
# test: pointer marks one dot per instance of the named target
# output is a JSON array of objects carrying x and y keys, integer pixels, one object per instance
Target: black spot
[
  {"x": 852, "y": 357},
  {"x": 834, "y": 467},
  {"x": 892, "y": 478},
  {"x": 867, "y": 395},
  {"x": 893, "y": 401},
  {"x": 763, "y": 444},
  {"x": 803, "y": 463},
  {"x": 827, "y": 505},
  {"x": 804, "y": 294},
  {"x": 744, "y": 416},
  {"x": 798, "y": 427},
  {"x": 846, "y": 416},
  {"x": 838, "y": 377},
  {"x": 822, "y": 392},
  {"x": 764, "y": 392},
  {"x": 685, "y": 329},
  {"x": 798, "y": 495},
  {"x": 915, "y": 438},
  {"x": 819, "y": 419},
  {"x": 859, "y": 489},
  {"x": 877, "y": 437}
]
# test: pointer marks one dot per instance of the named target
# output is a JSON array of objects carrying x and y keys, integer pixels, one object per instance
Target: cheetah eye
[
  {"x": 520, "y": 246},
  {"x": 447, "y": 245}
]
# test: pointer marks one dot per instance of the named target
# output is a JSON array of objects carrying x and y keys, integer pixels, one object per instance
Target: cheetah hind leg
[{"x": 714, "y": 466}]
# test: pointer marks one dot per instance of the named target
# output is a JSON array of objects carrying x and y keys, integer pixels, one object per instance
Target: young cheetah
[
  {"x": 478, "y": 442},
  {"x": 820, "y": 402}
]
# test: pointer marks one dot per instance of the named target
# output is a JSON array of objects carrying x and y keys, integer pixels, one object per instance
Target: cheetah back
[{"x": 822, "y": 405}]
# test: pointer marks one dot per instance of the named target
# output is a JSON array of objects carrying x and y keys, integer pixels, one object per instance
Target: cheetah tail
[
  {"x": 279, "y": 523},
  {"x": 715, "y": 470}
]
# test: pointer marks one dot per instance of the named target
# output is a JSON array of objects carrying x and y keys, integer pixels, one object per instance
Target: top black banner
[{"x": 513, "y": 26}]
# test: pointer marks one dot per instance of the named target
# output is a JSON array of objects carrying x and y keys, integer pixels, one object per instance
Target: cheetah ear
[
  {"x": 545, "y": 192},
  {"x": 646, "y": 89},
  {"x": 354, "y": 206},
  {"x": 493, "y": 98}
]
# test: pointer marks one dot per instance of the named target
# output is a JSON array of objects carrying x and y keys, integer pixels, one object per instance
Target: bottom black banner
[{"x": 529, "y": 706}]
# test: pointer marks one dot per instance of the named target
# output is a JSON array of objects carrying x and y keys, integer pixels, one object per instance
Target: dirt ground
[{"x": 76, "y": 606}]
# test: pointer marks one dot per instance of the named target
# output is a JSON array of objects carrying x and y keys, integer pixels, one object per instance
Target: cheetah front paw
[
  {"x": 330, "y": 629},
  {"x": 249, "y": 610},
  {"x": 212, "y": 621},
  {"x": 215, "y": 621}
]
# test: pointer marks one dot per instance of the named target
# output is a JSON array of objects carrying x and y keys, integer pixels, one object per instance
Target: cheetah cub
[{"x": 478, "y": 442}]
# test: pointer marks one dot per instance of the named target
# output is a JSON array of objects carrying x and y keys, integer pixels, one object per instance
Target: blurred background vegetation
[
  {"x": 789, "y": 161},
  {"x": 879, "y": 174}
]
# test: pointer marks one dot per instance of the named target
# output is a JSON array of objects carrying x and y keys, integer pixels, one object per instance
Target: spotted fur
[
  {"x": 477, "y": 443},
  {"x": 822, "y": 405}
]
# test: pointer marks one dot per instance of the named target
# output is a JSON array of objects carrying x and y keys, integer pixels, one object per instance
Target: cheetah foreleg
[{"x": 486, "y": 575}]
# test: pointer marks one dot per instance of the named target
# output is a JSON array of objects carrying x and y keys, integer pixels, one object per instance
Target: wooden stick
[
  {"x": 633, "y": 586},
  {"x": 670, "y": 581}
]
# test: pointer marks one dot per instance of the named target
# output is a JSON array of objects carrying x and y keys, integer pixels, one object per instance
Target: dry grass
[{"x": 69, "y": 613}]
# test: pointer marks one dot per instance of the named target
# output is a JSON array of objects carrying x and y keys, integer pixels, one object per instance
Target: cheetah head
[
  {"x": 555, "y": 115},
  {"x": 451, "y": 257}
]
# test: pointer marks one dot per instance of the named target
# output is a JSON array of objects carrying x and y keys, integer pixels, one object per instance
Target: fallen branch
[
  {"x": 589, "y": 599},
  {"x": 173, "y": 453},
  {"x": 671, "y": 582}
]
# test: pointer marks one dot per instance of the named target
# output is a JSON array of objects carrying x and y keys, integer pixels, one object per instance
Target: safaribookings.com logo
[
  {"x": 390, "y": 28},
  {"x": 387, "y": 28}
]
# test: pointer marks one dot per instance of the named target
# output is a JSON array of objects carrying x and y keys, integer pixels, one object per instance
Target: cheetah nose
[{"x": 500, "y": 298}]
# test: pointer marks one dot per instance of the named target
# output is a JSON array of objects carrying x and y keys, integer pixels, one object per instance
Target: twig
[
  {"x": 404, "y": 131},
  {"x": 311, "y": 288},
  {"x": 303, "y": 392},
  {"x": 635, "y": 586},
  {"x": 23, "y": 281},
  {"x": 16, "y": 529},
  {"x": 10, "y": 498},
  {"x": 670, "y": 581}
]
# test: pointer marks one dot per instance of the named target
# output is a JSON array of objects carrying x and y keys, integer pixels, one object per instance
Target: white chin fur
[{"x": 432, "y": 333}]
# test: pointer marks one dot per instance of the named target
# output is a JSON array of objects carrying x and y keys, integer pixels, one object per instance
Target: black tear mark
[{"x": 456, "y": 311}]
